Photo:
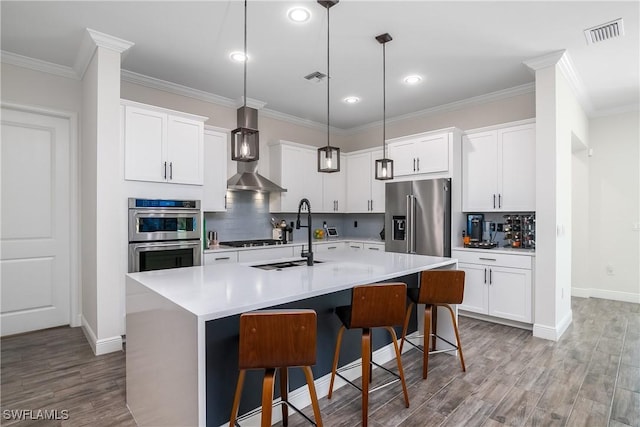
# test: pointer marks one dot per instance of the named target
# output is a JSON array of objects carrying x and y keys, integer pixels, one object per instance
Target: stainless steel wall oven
[{"x": 164, "y": 234}]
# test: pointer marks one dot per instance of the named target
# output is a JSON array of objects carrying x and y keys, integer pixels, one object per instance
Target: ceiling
[{"x": 461, "y": 49}]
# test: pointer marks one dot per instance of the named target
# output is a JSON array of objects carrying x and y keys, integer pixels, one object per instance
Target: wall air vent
[
  {"x": 315, "y": 77},
  {"x": 603, "y": 32}
]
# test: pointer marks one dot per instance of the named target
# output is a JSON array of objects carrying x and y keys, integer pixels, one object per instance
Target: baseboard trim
[
  {"x": 102, "y": 346},
  {"x": 300, "y": 397},
  {"x": 498, "y": 320},
  {"x": 553, "y": 333},
  {"x": 606, "y": 294}
]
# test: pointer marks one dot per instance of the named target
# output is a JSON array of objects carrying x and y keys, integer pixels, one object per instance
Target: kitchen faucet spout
[{"x": 309, "y": 254}]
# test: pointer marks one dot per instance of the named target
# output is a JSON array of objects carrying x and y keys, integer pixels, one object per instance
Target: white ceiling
[{"x": 462, "y": 49}]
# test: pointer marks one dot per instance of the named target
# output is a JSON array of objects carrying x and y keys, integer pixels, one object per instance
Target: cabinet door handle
[
  {"x": 170, "y": 170},
  {"x": 485, "y": 275},
  {"x": 487, "y": 259},
  {"x": 374, "y": 249},
  {"x": 494, "y": 201},
  {"x": 371, "y": 205},
  {"x": 355, "y": 247},
  {"x": 225, "y": 201},
  {"x": 165, "y": 170},
  {"x": 499, "y": 200},
  {"x": 418, "y": 164},
  {"x": 332, "y": 247},
  {"x": 414, "y": 164},
  {"x": 490, "y": 278},
  {"x": 337, "y": 205},
  {"x": 222, "y": 258}
]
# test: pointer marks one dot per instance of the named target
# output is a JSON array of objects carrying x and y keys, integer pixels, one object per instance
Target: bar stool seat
[
  {"x": 372, "y": 306},
  {"x": 277, "y": 339},
  {"x": 438, "y": 288}
]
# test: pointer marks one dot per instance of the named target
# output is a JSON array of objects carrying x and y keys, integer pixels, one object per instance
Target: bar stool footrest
[
  {"x": 454, "y": 347},
  {"x": 273, "y": 405}
]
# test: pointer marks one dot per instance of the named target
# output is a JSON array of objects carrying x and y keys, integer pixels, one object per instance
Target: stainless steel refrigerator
[{"x": 418, "y": 217}]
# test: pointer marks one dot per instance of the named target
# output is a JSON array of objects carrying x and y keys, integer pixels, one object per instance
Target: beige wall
[
  {"x": 35, "y": 88},
  {"x": 473, "y": 116}
]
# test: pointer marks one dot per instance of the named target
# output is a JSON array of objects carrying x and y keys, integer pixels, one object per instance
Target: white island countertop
[{"x": 217, "y": 291}]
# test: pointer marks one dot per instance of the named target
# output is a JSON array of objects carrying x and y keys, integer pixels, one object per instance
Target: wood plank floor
[{"x": 591, "y": 377}]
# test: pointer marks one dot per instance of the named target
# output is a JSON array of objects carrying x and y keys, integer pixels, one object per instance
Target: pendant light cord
[
  {"x": 328, "y": 78},
  {"x": 246, "y": 58},
  {"x": 384, "y": 100}
]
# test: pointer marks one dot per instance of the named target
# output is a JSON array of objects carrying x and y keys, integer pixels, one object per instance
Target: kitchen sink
[{"x": 284, "y": 264}]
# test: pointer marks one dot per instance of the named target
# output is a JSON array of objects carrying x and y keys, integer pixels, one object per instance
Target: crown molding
[
  {"x": 616, "y": 110},
  {"x": 562, "y": 59},
  {"x": 548, "y": 60},
  {"x": 452, "y": 106},
  {"x": 93, "y": 39},
  {"x": 251, "y": 103},
  {"x": 163, "y": 85},
  {"x": 38, "y": 65},
  {"x": 575, "y": 82}
]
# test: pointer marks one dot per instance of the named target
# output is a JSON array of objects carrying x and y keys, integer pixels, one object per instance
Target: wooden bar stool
[
  {"x": 438, "y": 288},
  {"x": 277, "y": 339},
  {"x": 372, "y": 306}
]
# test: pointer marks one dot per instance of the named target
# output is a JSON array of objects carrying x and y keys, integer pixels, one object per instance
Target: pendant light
[
  {"x": 245, "y": 138},
  {"x": 384, "y": 166},
  {"x": 328, "y": 157}
]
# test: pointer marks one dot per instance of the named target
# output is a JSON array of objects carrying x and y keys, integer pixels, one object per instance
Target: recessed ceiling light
[
  {"x": 238, "y": 56},
  {"x": 411, "y": 80},
  {"x": 299, "y": 14},
  {"x": 351, "y": 99}
]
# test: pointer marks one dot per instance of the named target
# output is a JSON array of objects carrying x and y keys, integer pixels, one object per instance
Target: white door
[
  {"x": 35, "y": 257},
  {"x": 432, "y": 154}
]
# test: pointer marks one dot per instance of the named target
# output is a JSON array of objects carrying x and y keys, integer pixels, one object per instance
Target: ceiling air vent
[
  {"x": 603, "y": 32},
  {"x": 315, "y": 77}
]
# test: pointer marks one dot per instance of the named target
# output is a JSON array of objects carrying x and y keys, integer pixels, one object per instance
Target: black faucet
[{"x": 308, "y": 255}]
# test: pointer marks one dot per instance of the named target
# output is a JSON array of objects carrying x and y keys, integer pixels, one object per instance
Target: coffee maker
[{"x": 475, "y": 227}]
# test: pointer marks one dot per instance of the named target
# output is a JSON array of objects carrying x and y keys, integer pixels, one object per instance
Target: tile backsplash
[{"x": 247, "y": 217}]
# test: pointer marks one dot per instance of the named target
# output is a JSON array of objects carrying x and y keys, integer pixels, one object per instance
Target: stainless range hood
[{"x": 248, "y": 177}]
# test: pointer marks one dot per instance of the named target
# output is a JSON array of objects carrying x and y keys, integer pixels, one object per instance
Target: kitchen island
[{"x": 182, "y": 327}]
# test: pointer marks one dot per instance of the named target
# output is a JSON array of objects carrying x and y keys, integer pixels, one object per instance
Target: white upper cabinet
[
  {"x": 215, "y": 171},
  {"x": 334, "y": 189},
  {"x": 294, "y": 167},
  {"x": 365, "y": 193},
  {"x": 518, "y": 160},
  {"x": 421, "y": 154},
  {"x": 499, "y": 170},
  {"x": 162, "y": 145}
]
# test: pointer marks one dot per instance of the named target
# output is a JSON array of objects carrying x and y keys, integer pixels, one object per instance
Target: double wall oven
[{"x": 164, "y": 234}]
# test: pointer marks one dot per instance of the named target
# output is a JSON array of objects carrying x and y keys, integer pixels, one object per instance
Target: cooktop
[{"x": 251, "y": 243}]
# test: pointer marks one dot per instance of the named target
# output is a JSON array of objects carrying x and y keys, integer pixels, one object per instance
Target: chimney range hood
[{"x": 248, "y": 177}]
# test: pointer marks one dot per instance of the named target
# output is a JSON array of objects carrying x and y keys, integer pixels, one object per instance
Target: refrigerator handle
[
  {"x": 408, "y": 229},
  {"x": 411, "y": 218}
]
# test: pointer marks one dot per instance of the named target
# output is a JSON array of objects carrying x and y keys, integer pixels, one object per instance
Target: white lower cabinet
[
  {"x": 498, "y": 285},
  {"x": 213, "y": 258},
  {"x": 265, "y": 254},
  {"x": 374, "y": 247},
  {"x": 328, "y": 246}
]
